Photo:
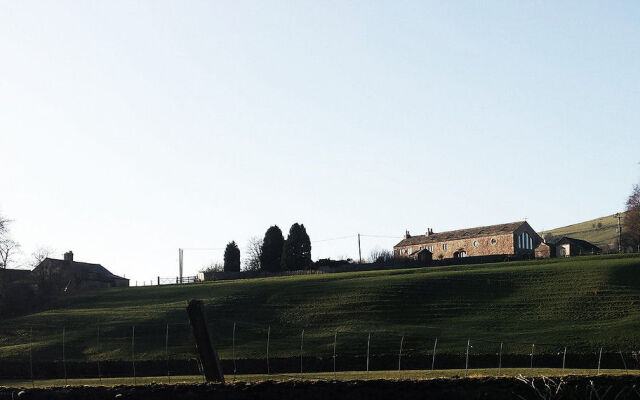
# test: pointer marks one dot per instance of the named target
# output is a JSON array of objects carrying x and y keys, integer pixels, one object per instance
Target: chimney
[
  {"x": 406, "y": 234},
  {"x": 68, "y": 256},
  {"x": 429, "y": 232}
]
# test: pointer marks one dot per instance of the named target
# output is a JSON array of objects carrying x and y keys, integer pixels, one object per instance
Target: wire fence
[{"x": 167, "y": 350}]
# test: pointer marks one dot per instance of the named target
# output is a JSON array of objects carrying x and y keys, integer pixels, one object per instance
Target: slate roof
[
  {"x": 480, "y": 231},
  {"x": 95, "y": 270}
]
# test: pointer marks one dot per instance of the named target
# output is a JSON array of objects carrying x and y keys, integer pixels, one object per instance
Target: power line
[
  {"x": 383, "y": 236},
  {"x": 202, "y": 248},
  {"x": 338, "y": 238}
]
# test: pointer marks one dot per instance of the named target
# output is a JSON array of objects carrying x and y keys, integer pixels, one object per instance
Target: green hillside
[
  {"x": 600, "y": 231},
  {"x": 582, "y": 303}
]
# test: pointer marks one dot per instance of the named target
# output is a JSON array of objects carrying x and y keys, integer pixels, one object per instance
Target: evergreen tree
[
  {"x": 272, "y": 249},
  {"x": 296, "y": 253},
  {"x": 232, "y": 258}
]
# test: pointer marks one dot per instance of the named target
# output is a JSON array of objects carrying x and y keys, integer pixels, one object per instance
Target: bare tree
[
  {"x": 38, "y": 256},
  {"x": 8, "y": 249},
  {"x": 8, "y": 246},
  {"x": 631, "y": 226},
  {"x": 212, "y": 267},
  {"x": 254, "y": 253},
  {"x": 4, "y": 225},
  {"x": 380, "y": 256}
]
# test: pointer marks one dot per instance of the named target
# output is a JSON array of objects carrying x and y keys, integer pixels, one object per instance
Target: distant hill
[{"x": 600, "y": 231}]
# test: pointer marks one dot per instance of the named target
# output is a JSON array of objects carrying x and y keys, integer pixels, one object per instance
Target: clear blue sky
[{"x": 129, "y": 129}]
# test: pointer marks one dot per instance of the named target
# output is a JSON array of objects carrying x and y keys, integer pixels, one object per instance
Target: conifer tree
[
  {"x": 296, "y": 253},
  {"x": 271, "y": 254},
  {"x": 232, "y": 258}
]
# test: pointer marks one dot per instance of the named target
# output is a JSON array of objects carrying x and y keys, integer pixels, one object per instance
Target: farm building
[
  {"x": 68, "y": 274},
  {"x": 569, "y": 247},
  {"x": 516, "y": 238}
]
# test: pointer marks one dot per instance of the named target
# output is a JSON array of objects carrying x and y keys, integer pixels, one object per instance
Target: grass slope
[
  {"x": 582, "y": 302},
  {"x": 600, "y": 231}
]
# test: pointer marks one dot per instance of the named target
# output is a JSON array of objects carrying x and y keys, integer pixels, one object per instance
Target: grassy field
[
  {"x": 600, "y": 231},
  {"x": 341, "y": 376},
  {"x": 582, "y": 303}
]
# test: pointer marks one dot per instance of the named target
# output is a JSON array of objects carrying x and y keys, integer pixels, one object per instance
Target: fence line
[{"x": 283, "y": 350}]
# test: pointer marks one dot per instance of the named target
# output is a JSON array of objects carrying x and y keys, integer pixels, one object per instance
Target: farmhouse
[
  {"x": 68, "y": 274},
  {"x": 516, "y": 238}
]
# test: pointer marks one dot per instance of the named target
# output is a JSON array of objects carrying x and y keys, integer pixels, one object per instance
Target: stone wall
[{"x": 543, "y": 251}]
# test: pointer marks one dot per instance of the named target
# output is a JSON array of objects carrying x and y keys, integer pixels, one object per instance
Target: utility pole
[
  {"x": 359, "y": 249},
  {"x": 180, "y": 253},
  {"x": 619, "y": 233}
]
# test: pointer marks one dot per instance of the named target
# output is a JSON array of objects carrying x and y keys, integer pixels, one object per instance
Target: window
[
  {"x": 475, "y": 243},
  {"x": 525, "y": 241},
  {"x": 444, "y": 246},
  {"x": 493, "y": 241},
  {"x": 463, "y": 253},
  {"x": 430, "y": 248}
]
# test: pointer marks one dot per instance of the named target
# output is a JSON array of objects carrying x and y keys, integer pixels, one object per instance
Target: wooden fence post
[
  {"x": 31, "y": 356},
  {"x": 368, "y": 343},
  {"x": 466, "y": 364},
  {"x": 208, "y": 355},
  {"x": 500, "y": 360},
  {"x": 433, "y": 360},
  {"x": 301, "y": 349}
]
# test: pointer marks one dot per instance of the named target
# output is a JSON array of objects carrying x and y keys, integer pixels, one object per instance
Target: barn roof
[{"x": 480, "y": 231}]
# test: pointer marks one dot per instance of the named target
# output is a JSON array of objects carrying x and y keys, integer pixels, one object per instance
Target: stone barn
[{"x": 511, "y": 239}]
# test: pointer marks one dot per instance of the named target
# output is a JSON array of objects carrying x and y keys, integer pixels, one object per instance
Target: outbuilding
[{"x": 570, "y": 247}]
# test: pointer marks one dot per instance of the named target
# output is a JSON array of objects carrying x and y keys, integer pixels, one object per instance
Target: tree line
[{"x": 273, "y": 253}]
